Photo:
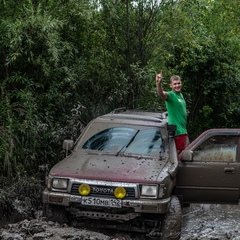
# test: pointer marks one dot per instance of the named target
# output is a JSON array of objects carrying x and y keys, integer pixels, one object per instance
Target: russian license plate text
[{"x": 94, "y": 201}]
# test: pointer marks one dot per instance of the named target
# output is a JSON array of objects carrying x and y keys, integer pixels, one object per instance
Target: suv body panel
[{"x": 109, "y": 167}]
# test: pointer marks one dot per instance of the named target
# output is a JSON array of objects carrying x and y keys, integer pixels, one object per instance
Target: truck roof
[{"x": 136, "y": 115}]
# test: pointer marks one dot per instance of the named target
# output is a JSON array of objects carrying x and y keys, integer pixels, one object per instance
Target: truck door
[{"x": 209, "y": 171}]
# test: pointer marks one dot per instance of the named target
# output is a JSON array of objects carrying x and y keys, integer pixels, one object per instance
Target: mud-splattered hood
[{"x": 109, "y": 168}]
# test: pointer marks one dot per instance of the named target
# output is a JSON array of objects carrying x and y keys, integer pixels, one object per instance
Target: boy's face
[{"x": 176, "y": 86}]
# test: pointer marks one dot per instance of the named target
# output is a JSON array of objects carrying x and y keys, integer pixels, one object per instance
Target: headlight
[
  {"x": 149, "y": 191},
  {"x": 60, "y": 183}
]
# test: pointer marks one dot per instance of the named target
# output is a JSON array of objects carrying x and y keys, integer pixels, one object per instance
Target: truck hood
[{"x": 109, "y": 168}]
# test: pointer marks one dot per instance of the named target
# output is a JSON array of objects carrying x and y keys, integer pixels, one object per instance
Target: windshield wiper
[{"x": 126, "y": 146}]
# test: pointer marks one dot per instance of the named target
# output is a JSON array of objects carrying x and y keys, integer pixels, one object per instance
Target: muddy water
[
  {"x": 200, "y": 222},
  {"x": 203, "y": 221}
]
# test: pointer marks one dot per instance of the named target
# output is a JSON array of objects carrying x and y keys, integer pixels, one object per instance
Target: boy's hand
[{"x": 158, "y": 77}]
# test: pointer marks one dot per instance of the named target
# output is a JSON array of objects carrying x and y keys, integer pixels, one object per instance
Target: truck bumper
[{"x": 139, "y": 205}]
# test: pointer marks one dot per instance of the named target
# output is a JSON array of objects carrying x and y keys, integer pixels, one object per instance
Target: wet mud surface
[
  {"x": 199, "y": 222},
  {"x": 206, "y": 221}
]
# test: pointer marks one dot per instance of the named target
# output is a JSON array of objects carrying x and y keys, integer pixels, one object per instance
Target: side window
[{"x": 217, "y": 148}]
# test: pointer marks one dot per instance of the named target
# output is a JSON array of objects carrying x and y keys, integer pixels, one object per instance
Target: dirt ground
[
  {"x": 211, "y": 221},
  {"x": 199, "y": 222}
]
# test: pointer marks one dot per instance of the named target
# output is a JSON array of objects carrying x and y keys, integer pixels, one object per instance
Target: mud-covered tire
[
  {"x": 172, "y": 221},
  {"x": 55, "y": 213}
]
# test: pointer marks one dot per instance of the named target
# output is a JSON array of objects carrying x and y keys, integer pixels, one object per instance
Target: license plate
[{"x": 101, "y": 202}]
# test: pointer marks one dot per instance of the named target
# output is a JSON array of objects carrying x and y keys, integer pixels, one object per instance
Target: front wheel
[{"x": 172, "y": 221}]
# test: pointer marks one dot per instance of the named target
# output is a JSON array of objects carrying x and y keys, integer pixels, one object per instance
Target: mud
[
  {"x": 211, "y": 221},
  {"x": 199, "y": 222}
]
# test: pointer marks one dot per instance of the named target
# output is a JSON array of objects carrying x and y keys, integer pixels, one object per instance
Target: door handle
[{"x": 229, "y": 170}]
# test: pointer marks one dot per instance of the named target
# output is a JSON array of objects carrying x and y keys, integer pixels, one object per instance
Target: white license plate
[{"x": 102, "y": 202}]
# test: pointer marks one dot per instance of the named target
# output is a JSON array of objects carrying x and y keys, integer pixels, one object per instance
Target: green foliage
[
  {"x": 65, "y": 62},
  {"x": 203, "y": 50},
  {"x": 38, "y": 86},
  {"x": 124, "y": 40}
]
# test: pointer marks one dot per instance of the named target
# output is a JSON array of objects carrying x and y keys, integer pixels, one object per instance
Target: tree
[
  {"x": 38, "y": 81},
  {"x": 203, "y": 49},
  {"x": 127, "y": 39}
]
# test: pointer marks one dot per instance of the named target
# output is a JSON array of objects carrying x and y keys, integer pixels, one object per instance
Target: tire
[
  {"x": 172, "y": 221},
  {"x": 55, "y": 213}
]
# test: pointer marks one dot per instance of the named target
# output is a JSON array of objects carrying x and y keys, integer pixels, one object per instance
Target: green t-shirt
[{"x": 177, "y": 112}]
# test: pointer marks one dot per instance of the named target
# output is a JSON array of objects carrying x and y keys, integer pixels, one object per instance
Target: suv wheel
[
  {"x": 55, "y": 213},
  {"x": 172, "y": 221}
]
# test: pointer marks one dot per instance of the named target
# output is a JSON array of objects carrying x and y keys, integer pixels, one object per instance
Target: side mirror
[
  {"x": 67, "y": 144},
  {"x": 187, "y": 156}
]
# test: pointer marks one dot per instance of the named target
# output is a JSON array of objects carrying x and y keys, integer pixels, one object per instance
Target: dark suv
[{"x": 124, "y": 173}]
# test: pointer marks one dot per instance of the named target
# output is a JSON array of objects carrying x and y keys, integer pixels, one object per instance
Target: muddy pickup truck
[{"x": 123, "y": 173}]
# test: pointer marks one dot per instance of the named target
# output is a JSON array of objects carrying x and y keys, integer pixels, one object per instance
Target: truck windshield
[{"x": 127, "y": 140}]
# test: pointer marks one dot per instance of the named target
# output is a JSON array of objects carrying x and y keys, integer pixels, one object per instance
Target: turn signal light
[{"x": 55, "y": 200}]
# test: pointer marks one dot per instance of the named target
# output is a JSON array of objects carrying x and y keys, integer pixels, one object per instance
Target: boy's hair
[{"x": 175, "y": 77}]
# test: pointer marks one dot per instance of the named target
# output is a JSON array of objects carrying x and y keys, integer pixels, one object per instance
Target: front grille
[{"x": 101, "y": 191}]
